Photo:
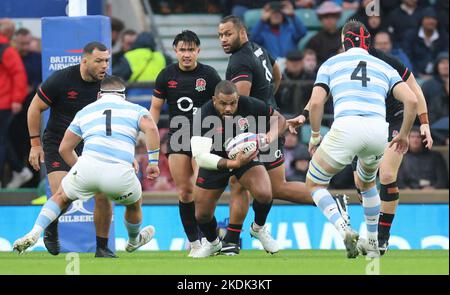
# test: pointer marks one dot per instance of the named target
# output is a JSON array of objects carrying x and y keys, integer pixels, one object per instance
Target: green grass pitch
[{"x": 288, "y": 262}]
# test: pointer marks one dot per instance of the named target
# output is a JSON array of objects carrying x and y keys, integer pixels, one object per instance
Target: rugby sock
[
  {"x": 187, "y": 214},
  {"x": 328, "y": 206},
  {"x": 384, "y": 225},
  {"x": 233, "y": 233},
  {"x": 261, "y": 212},
  {"x": 49, "y": 212},
  {"x": 388, "y": 193},
  {"x": 209, "y": 229},
  {"x": 101, "y": 242},
  {"x": 371, "y": 205},
  {"x": 133, "y": 231}
]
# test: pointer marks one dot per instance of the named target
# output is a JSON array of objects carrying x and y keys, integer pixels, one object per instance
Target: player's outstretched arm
[
  {"x": 152, "y": 140},
  {"x": 403, "y": 93},
  {"x": 67, "y": 147},
  {"x": 37, "y": 106},
  {"x": 316, "y": 104},
  {"x": 422, "y": 111}
]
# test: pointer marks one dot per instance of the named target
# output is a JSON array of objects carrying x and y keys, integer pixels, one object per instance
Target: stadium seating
[
  {"x": 307, "y": 16},
  {"x": 302, "y": 44}
]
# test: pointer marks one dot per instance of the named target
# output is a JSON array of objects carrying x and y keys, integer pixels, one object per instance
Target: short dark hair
[
  {"x": 356, "y": 35},
  {"x": 225, "y": 87},
  {"x": 111, "y": 83},
  {"x": 186, "y": 36},
  {"x": 237, "y": 21},
  {"x": 117, "y": 25},
  {"x": 91, "y": 46},
  {"x": 23, "y": 32}
]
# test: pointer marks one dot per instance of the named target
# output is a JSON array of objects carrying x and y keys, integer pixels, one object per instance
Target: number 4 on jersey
[{"x": 362, "y": 67}]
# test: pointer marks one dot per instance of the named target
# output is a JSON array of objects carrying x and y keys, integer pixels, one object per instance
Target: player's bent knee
[{"x": 185, "y": 194}]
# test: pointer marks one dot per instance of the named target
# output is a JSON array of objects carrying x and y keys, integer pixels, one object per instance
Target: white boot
[{"x": 19, "y": 178}]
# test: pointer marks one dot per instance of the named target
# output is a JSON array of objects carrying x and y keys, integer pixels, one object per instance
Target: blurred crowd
[{"x": 415, "y": 31}]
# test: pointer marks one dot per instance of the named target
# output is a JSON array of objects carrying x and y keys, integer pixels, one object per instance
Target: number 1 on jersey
[
  {"x": 108, "y": 122},
  {"x": 362, "y": 66}
]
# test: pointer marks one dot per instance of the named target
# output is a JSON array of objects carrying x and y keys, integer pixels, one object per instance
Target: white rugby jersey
[
  {"x": 109, "y": 128},
  {"x": 358, "y": 82}
]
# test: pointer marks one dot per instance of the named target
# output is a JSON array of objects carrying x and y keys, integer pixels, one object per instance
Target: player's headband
[
  {"x": 118, "y": 91},
  {"x": 352, "y": 39}
]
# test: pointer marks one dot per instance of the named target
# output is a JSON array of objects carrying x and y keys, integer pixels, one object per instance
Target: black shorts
[
  {"x": 53, "y": 160},
  {"x": 394, "y": 128},
  {"x": 275, "y": 157},
  {"x": 183, "y": 151},
  {"x": 218, "y": 179}
]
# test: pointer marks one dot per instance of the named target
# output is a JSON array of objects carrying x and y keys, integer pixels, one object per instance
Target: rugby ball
[{"x": 247, "y": 142}]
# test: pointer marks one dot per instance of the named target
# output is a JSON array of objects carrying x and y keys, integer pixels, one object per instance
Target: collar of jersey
[
  {"x": 111, "y": 96},
  {"x": 359, "y": 50}
]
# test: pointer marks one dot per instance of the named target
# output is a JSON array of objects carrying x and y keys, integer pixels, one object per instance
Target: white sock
[
  {"x": 49, "y": 212},
  {"x": 327, "y": 205},
  {"x": 371, "y": 205}
]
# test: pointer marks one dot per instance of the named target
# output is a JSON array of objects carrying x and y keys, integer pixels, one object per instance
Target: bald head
[{"x": 7, "y": 28}]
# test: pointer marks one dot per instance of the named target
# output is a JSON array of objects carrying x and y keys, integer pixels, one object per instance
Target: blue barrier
[{"x": 295, "y": 227}]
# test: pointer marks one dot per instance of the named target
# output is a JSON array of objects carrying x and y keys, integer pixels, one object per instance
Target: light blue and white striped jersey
[
  {"x": 109, "y": 128},
  {"x": 358, "y": 82}
]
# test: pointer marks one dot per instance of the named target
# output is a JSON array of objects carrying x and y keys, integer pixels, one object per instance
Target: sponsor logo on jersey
[
  {"x": 200, "y": 84},
  {"x": 200, "y": 180},
  {"x": 72, "y": 94},
  {"x": 172, "y": 84},
  {"x": 243, "y": 124},
  {"x": 56, "y": 164}
]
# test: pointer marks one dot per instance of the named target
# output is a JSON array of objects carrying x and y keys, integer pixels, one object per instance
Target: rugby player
[
  {"x": 257, "y": 74},
  {"x": 390, "y": 164},
  {"x": 109, "y": 128},
  {"x": 66, "y": 92},
  {"x": 219, "y": 120},
  {"x": 359, "y": 84},
  {"x": 185, "y": 86}
]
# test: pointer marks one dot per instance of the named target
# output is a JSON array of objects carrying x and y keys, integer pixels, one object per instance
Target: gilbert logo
[{"x": 77, "y": 206}]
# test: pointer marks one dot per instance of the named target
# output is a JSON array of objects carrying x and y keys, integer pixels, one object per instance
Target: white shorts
[
  {"x": 90, "y": 175},
  {"x": 365, "y": 137}
]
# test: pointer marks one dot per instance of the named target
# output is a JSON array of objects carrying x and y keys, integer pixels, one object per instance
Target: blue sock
[
  {"x": 133, "y": 230},
  {"x": 371, "y": 205},
  {"x": 327, "y": 205},
  {"x": 49, "y": 212}
]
